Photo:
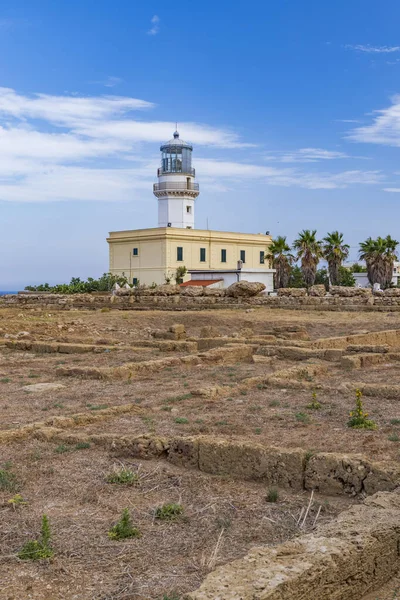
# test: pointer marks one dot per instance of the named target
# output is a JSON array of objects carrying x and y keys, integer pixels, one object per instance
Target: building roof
[
  {"x": 175, "y": 141},
  {"x": 198, "y": 282}
]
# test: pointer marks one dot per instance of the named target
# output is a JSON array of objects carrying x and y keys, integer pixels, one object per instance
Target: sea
[{"x": 4, "y": 293}]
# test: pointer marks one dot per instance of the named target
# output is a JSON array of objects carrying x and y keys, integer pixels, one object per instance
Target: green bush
[
  {"x": 8, "y": 481},
  {"x": 124, "y": 528},
  {"x": 38, "y": 549},
  {"x": 105, "y": 283},
  {"x": 169, "y": 512},
  {"x": 124, "y": 476}
]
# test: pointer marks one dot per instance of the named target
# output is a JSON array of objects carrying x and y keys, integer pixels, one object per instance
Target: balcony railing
[
  {"x": 190, "y": 171},
  {"x": 175, "y": 185}
]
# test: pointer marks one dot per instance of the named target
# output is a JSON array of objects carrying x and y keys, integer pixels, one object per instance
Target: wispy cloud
[
  {"x": 109, "y": 81},
  {"x": 373, "y": 49},
  {"x": 347, "y": 121},
  {"x": 55, "y": 148},
  {"x": 392, "y": 190},
  {"x": 155, "y": 28},
  {"x": 305, "y": 155},
  {"x": 385, "y": 128}
]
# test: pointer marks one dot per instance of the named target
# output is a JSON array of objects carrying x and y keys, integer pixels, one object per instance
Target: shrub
[
  {"x": 124, "y": 528},
  {"x": 105, "y": 283},
  {"x": 82, "y": 446},
  {"x": 8, "y": 481},
  {"x": 358, "y": 418},
  {"x": 38, "y": 549},
  {"x": 17, "y": 501},
  {"x": 169, "y": 512},
  {"x": 181, "y": 420},
  {"x": 393, "y": 437},
  {"x": 273, "y": 495},
  {"x": 314, "y": 404},
  {"x": 124, "y": 476},
  {"x": 302, "y": 418}
]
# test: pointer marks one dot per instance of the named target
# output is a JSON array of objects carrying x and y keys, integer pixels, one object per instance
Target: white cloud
[
  {"x": 392, "y": 190},
  {"x": 55, "y": 148},
  {"x": 373, "y": 49},
  {"x": 155, "y": 21},
  {"x": 347, "y": 121},
  {"x": 109, "y": 82},
  {"x": 385, "y": 128},
  {"x": 285, "y": 177},
  {"x": 305, "y": 155}
]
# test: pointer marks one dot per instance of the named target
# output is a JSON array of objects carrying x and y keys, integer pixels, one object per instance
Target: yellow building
[{"x": 149, "y": 256}]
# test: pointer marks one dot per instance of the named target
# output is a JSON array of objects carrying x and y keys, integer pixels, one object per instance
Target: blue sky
[{"x": 293, "y": 109}]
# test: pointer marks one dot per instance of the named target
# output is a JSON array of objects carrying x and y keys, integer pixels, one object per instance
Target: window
[
  {"x": 189, "y": 210},
  {"x": 135, "y": 252},
  {"x": 223, "y": 255},
  {"x": 243, "y": 256},
  {"x": 135, "y": 281},
  {"x": 262, "y": 257},
  {"x": 202, "y": 255},
  {"x": 179, "y": 253}
]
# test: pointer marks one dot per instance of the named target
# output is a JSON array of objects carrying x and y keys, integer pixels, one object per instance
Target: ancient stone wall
[{"x": 387, "y": 301}]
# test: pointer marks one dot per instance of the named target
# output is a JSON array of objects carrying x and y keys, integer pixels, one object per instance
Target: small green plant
[
  {"x": 82, "y": 446},
  {"x": 274, "y": 403},
  {"x": 8, "y": 480},
  {"x": 169, "y": 512},
  {"x": 395, "y": 421},
  {"x": 221, "y": 423},
  {"x": 17, "y": 501},
  {"x": 302, "y": 418},
  {"x": 61, "y": 449},
  {"x": 124, "y": 477},
  {"x": 359, "y": 418},
  {"x": 257, "y": 431},
  {"x": 171, "y": 597},
  {"x": 314, "y": 404},
  {"x": 5, "y": 380},
  {"x": 273, "y": 495},
  {"x": 97, "y": 406},
  {"x": 38, "y": 549},
  {"x": 305, "y": 375},
  {"x": 393, "y": 437},
  {"x": 124, "y": 528},
  {"x": 181, "y": 420}
]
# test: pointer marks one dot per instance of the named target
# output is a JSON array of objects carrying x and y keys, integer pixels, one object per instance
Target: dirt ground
[{"x": 222, "y": 517}]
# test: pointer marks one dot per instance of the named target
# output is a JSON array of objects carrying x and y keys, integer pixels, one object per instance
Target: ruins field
[{"x": 238, "y": 417}]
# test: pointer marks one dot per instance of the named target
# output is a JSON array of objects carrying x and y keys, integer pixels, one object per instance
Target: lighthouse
[{"x": 176, "y": 189}]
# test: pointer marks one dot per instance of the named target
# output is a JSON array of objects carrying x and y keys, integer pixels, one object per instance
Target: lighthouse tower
[{"x": 176, "y": 189}]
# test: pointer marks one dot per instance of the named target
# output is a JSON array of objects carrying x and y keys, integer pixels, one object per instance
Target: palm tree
[
  {"x": 279, "y": 255},
  {"x": 335, "y": 252},
  {"x": 379, "y": 256},
  {"x": 309, "y": 250}
]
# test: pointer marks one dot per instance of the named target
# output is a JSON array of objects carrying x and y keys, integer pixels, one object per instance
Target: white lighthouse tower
[{"x": 176, "y": 189}]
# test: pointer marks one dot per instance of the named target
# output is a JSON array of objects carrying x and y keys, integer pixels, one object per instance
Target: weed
[
  {"x": 199, "y": 421},
  {"x": 314, "y": 404},
  {"x": 17, "y": 501},
  {"x": 169, "y": 512},
  {"x": 8, "y": 481},
  {"x": 395, "y": 421},
  {"x": 138, "y": 400},
  {"x": 261, "y": 386},
  {"x": 358, "y": 418},
  {"x": 38, "y": 549},
  {"x": 304, "y": 374},
  {"x": 256, "y": 408},
  {"x": 221, "y": 423},
  {"x": 186, "y": 384},
  {"x": 5, "y": 380},
  {"x": 124, "y": 476},
  {"x": 257, "y": 431},
  {"x": 302, "y": 418},
  {"x": 82, "y": 446},
  {"x": 58, "y": 405},
  {"x": 97, "y": 406},
  {"x": 230, "y": 399},
  {"x": 393, "y": 437},
  {"x": 309, "y": 454},
  {"x": 104, "y": 309},
  {"x": 181, "y": 420},
  {"x": 33, "y": 375},
  {"x": 274, "y": 403},
  {"x": 171, "y": 597},
  {"x": 168, "y": 408},
  {"x": 273, "y": 495},
  {"x": 124, "y": 528},
  {"x": 243, "y": 392},
  {"x": 61, "y": 449}
]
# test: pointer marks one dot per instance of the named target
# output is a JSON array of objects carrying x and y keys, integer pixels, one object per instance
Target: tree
[
  {"x": 281, "y": 260},
  {"x": 180, "y": 274},
  {"x": 335, "y": 252},
  {"x": 379, "y": 256},
  {"x": 309, "y": 251}
]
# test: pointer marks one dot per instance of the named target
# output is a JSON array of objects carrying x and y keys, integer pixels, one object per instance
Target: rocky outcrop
[
  {"x": 244, "y": 289},
  {"x": 292, "y": 292}
]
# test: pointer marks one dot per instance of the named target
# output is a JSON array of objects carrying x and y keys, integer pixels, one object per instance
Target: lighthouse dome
[{"x": 174, "y": 143}]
